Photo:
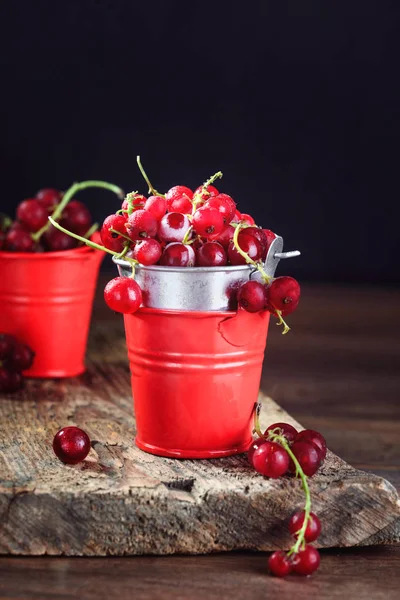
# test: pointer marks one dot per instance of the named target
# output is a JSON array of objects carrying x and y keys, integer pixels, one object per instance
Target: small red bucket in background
[
  {"x": 46, "y": 301},
  {"x": 195, "y": 379}
]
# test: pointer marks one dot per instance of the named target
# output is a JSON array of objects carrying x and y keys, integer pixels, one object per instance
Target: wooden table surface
[{"x": 336, "y": 371}]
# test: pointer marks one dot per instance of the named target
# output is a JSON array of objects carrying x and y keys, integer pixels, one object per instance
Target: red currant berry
[
  {"x": 255, "y": 445},
  {"x": 20, "y": 358},
  {"x": 248, "y": 244},
  {"x": 19, "y": 240},
  {"x": 313, "y": 528},
  {"x": 56, "y": 240},
  {"x": 147, "y": 252},
  {"x": 7, "y": 343},
  {"x": 173, "y": 227},
  {"x": 71, "y": 445},
  {"x": 32, "y": 214},
  {"x": 49, "y": 197},
  {"x": 157, "y": 205},
  {"x": 204, "y": 193},
  {"x": 223, "y": 238},
  {"x": 287, "y": 430},
  {"x": 134, "y": 202},
  {"x": 247, "y": 219},
  {"x": 224, "y": 204},
  {"x": 123, "y": 295},
  {"x": 76, "y": 218},
  {"x": 111, "y": 239},
  {"x": 211, "y": 254},
  {"x": 177, "y": 192},
  {"x": 308, "y": 456},
  {"x": 279, "y": 564},
  {"x": 270, "y": 236},
  {"x": 141, "y": 224},
  {"x": 178, "y": 255},
  {"x": 306, "y": 561},
  {"x": 10, "y": 381},
  {"x": 309, "y": 435},
  {"x": 207, "y": 221},
  {"x": 182, "y": 204},
  {"x": 259, "y": 234},
  {"x": 271, "y": 460},
  {"x": 251, "y": 296},
  {"x": 237, "y": 217},
  {"x": 283, "y": 294}
]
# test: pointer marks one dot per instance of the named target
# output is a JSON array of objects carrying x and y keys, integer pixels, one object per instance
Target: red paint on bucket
[
  {"x": 46, "y": 301},
  {"x": 195, "y": 379}
]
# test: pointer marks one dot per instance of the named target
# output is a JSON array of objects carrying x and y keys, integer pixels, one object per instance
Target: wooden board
[{"x": 121, "y": 501}]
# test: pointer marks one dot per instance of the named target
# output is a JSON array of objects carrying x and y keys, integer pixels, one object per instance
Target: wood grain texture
[
  {"x": 121, "y": 501},
  {"x": 348, "y": 390}
]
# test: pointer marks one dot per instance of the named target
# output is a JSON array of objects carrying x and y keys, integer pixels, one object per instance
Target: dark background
[{"x": 297, "y": 102}]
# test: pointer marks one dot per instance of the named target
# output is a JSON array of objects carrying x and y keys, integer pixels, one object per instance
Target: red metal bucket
[
  {"x": 46, "y": 301},
  {"x": 195, "y": 379}
]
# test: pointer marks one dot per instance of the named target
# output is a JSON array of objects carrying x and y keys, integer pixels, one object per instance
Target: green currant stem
[
  {"x": 120, "y": 234},
  {"x": 281, "y": 321},
  {"x": 276, "y": 436},
  {"x": 147, "y": 180},
  {"x": 75, "y": 188},
  {"x": 197, "y": 199},
  {"x": 187, "y": 235},
  {"x": 91, "y": 231}
]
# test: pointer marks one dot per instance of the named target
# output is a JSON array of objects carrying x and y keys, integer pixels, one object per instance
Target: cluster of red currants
[
  {"x": 185, "y": 229},
  {"x": 15, "y": 358},
  {"x": 280, "y": 450},
  {"x": 31, "y": 231}
]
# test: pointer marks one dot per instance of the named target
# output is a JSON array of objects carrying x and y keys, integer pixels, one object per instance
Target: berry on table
[
  {"x": 251, "y": 296},
  {"x": 287, "y": 430},
  {"x": 309, "y": 435},
  {"x": 173, "y": 227},
  {"x": 7, "y": 343},
  {"x": 308, "y": 456},
  {"x": 283, "y": 294},
  {"x": 32, "y": 214},
  {"x": 211, "y": 254},
  {"x": 279, "y": 564},
  {"x": 71, "y": 445},
  {"x": 141, "y": 224},
  {"x": 177, "y": 254},
  {"x": 313, "y": 528},
  {"x": 123, "y": 295},
  {"x": 306, "y": 561},
  {"x": 10, "y": 381},
  {"x": 271, "y": 460},
  {"x": 111, "y": 239},
  {"x": 207, "y": 221},
  {"x": 20, "y": 357},
  {"x": 255, "y": 445}
]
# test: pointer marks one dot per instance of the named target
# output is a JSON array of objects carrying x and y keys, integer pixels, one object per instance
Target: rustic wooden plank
[
  {"x": 361, "y": 574},
  {"x": 123, "y": 501}
]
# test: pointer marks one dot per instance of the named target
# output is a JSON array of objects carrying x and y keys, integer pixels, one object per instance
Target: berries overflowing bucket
[{"x": 196, "y": 287}]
